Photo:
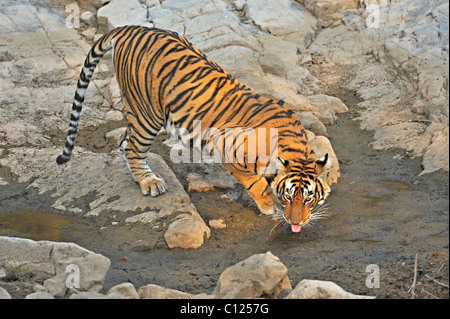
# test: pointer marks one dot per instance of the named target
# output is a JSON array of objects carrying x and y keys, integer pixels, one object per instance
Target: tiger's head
[{"x": 302, "y": 190}]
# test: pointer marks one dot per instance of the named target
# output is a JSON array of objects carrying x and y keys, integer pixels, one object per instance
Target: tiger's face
[{"x": 302, "y": 191}]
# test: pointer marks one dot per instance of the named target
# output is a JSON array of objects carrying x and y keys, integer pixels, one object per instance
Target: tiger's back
[{"x": 167, "y": 82}]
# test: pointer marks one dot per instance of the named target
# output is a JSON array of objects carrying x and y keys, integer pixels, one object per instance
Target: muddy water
[{"x": 382, "y": 215}]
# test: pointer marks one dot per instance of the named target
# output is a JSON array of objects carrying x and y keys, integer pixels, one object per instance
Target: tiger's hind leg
[{"x": 134, "y": 148}]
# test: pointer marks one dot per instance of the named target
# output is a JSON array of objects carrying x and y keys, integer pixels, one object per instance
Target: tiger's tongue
[{"x": 296, "y": 228}]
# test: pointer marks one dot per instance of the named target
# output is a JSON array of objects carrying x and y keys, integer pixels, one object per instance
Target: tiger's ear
[
  {"x": 282, "y": 166},
  {"x": 322, "y": 165}
]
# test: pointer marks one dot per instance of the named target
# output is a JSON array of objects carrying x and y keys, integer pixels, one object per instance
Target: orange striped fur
[{"x": 167, "y": 82}]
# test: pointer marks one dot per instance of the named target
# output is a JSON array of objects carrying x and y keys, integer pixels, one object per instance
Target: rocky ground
[{"x": 387, "y": 69}]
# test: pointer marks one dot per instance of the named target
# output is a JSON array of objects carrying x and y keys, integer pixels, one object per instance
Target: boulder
[
  {"x": 435, "y": 156},
  {"x": 326, "y": 107},
  {"x": 261, "y": 275},
  {"x": 312, "y": 123},
  {"x": 56, "y": 263},
  {"x": 318, "y": 289},
  {"x": 152, "y": 291}
]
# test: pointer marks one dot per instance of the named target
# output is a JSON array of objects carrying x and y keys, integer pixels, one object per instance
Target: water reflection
[{"x": 34, "y": 225}]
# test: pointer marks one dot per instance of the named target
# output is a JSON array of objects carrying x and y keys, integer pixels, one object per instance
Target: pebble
[{"x": 217, "y": 223}]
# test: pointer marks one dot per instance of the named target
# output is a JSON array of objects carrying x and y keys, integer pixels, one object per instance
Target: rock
[
  {"x": 329, "y": 11},
  {"x": 317, "y": 289},
  {"x": 281, "y": 18},
  {"x": 115, "y": 134},
  {"x": 92, "y": 268},
  {"x": 88, "y": 17},
  {"x": 152, "y": 291},
  {"x": 217, "y": 223},
  {"x": 125, "y": 290},
  {"x": 92, "y": 4},
  {"x": 261, "y": 275},
  {"x": 104, "y": 174},
  {"x": 113, "y": 94},
  {"x": 121, "y": 12},
  {"x": 4, "y": 294},
  {"x": 56, "y": 286},
  {"x": 39, "y": 288},
  {"x": 89, "y": 295},
  {"x": 187, "y": 231},
  {"x": 434, "y": 157},
  {"x": 238, "y": 61},
  {"x": 219, "y": 179},
  {"x": 321, "y": 146},
  {"x": 327, "y": 107},
  {"x": 196, "y": 183},
  {"x": 54, "y": 263},
  {"x": 312, "y": 123},
  {"x": 145, "y": 218},
  {"x": 401, "y": 76},
  {"x": 89, "y": 34},
  {"x": 114, "y": 116},
  {"x": 39, "y": 295}
]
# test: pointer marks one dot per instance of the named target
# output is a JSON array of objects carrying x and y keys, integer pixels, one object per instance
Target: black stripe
[{"x": 79, "y": 98}]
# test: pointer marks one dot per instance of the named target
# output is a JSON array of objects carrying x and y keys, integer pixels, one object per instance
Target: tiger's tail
[{"x": 103, "y": 45}]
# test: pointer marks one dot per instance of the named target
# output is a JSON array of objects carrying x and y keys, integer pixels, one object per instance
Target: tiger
[{"x": 166, "y": 82}]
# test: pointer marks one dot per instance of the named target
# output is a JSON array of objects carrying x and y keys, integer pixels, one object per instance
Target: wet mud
[{"x": 383, "y": 214}]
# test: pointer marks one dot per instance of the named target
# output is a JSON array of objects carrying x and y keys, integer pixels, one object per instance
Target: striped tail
[{"x": 103, "y": 45}]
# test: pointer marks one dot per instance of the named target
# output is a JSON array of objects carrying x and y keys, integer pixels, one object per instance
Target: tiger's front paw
[
  {"x": 272, "y": 210},
  {"x": 153, "y": 185},
  {"x": 269, "y": 205}
]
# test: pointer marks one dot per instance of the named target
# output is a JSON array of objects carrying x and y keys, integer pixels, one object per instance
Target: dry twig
[
  {"x": 438, "y": 282},
  {"x": 411, "y": 289}
]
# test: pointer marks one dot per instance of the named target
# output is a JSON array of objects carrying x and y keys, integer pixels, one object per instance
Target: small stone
[
  {"x": 187, "y": 232},
  {"x": 217, "y": 223},
  {"x": 239, "y": 5},
  {"x": 196, "y": 183},
  {"x": 88, "y": 17}
]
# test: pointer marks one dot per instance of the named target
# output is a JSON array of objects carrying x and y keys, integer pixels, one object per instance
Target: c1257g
[{"x": 246, "y": 308}]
